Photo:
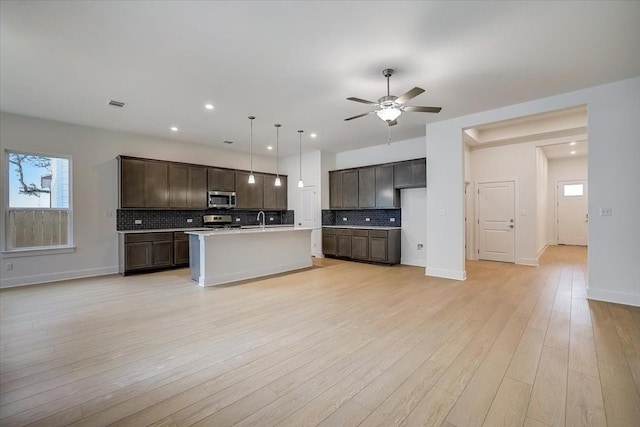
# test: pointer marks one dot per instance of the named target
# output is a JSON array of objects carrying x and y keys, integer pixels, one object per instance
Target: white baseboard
[
  {"x": 56, "y": 277},
  {"x": 615, "y": 297},
  {"x": 542, "y": 249},
  {"x": 528, "y": 261},
  {"x": 445, "y": 273},
  {"x": 417, "y": 262}
]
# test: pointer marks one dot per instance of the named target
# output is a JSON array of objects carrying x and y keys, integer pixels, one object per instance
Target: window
[
  {"x": 573, "y": 190},
  {"x": 39, "y": 214}
]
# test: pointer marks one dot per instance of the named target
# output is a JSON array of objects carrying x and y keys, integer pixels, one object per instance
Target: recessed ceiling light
[
  {"x": 313, "y": 135},
  {"x": 269, "y": 147},
  {"x": 572, "y": 144},
  {"x": 173, "y": 128},
  {"x": 573, "y": 152},
  {"x": 208, "y": 106}
]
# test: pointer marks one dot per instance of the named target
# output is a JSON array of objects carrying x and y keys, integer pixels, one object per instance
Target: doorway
[
  {"x": 572, "y": 215},
  {"x": 496, "y": 226}
]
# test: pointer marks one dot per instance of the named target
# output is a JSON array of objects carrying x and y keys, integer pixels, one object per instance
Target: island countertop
[{"x": 247, "y": 230}]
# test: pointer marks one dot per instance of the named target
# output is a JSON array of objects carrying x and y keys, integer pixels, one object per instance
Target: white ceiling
[{"x": 296, "y": 62}]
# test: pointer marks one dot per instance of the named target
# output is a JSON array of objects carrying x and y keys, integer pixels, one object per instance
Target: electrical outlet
[
  {"x": 9, "y": 266},
  {"x": 270, "y": 219},
  {"x": 344, "y": 218},
  {"x": 367, "y": 219},
  {"x": 420, "y": 246},
  {"x": 392, "y": 220},
  {"x": 137, "y": 221},
  {"x": 237, "y": 219},
  {"x": 189, "y": 220}
]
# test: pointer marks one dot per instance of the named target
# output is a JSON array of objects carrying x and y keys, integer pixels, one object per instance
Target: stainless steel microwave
[{"x": 221, "y": 199}]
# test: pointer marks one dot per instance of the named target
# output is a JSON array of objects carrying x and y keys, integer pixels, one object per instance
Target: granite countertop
[
  {"x": 363, "y": 227},
  {"x": 162, "y": 230}
]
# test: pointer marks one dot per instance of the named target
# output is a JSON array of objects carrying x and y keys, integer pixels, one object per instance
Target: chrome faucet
[{"x": 258, "y": 218}]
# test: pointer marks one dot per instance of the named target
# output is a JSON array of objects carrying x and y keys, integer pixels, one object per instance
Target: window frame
[{"x": 7, "y": 251}]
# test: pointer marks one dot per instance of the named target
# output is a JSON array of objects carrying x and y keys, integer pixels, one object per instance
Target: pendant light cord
[
  {"x": 278, "y": 149},
  {"x": 251, "y": 118},
  {"x": 300, "y": 139}
]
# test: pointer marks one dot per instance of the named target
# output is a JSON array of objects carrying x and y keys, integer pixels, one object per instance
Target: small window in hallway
[{"x": 573, "y": 190}]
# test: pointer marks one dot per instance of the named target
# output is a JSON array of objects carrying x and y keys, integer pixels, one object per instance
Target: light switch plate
[
  {"x": 189, "y": 220},
  {"x": 392, "y": 219},
  {"x": 605, "y": 212},
  {"x": 137, "y": 221}
]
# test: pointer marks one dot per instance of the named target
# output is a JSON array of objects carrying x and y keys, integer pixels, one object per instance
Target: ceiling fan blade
[
  {"x": 422, "y": 109},
  {"x": 392, "y": 122},
  {"x": 409, "y": 95},
  {"x": 364, "y": 101},
  {"x": 359, "y": 115}
]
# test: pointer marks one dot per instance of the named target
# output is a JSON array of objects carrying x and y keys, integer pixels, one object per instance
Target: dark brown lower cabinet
[
  {"x": 343, "y": 242},
  {"x": 180, "y": 248},
  {"x": 329, "y": 241},
  {"x": 141, "y": 252},
  {"x": 375, "y": 245},
  {"x": 360, "y": 244}
]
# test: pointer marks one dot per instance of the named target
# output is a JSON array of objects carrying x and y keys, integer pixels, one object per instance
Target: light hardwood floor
[{"x": 341, "y": 344}]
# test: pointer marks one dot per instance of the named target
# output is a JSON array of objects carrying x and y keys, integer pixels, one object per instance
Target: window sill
[{"x": 26, "y": 252}]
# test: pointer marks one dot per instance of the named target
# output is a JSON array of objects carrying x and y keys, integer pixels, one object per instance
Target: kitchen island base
[{"x": 221, "y": 257}]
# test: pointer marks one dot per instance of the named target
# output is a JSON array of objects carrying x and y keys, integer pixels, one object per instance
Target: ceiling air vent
[
  {"x": 117, "y": 104},
  {"x": 227, "y": 142}
]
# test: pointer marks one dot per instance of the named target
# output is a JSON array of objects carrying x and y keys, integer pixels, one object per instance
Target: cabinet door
[
  {"x": 137, "y": 255},
  {"x": 178, "y": 185},
  {"x": 181, "y": 252},
  {"x": 156, "y": 184},
  {"x": 221, "y": 179},
  {"x": 132, "y": 183},
  {"x": 419, "y": 173},
  {"x": 335, "y": 189},
  {"x": 386, "y": 195},
  {"x": 350, "y": 188},
  {"x": 360, "y": 247},
  {"x": 282, "y": 194},
  {"x": 197, "y": 193},
  {"x": 269, "y": 192},
  {"x": 343, "y": 246},
  {"x": 378, "y": 249},
  {"x": 249, "y": 196},
  {"x": 328, "y": 243},
  {"x": 366, "y": 187},
  {"x": 403, "y": 174},
  {"x": 162, "y": 254}
]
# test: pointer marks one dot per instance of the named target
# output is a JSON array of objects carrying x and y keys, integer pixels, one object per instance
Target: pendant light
[
  {"x": 300, "y": 183},
  {"x": 278, "y": 183},
  {"x": 252, "y": 179}
]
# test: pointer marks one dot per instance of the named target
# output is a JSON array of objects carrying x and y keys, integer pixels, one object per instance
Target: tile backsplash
[
  {"x": 158, "y": 219},
  {"x": 364, "y": 217}
]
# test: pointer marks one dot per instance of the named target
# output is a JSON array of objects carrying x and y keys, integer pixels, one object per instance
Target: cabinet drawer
[
  {"x": 378, "y": 233},
  {"x": 343, "y": 231},
  {"x": 329, "y": 231},
  {"x": 179, "y": 235},
  {"x": 147, "y": 237},
  {"x": 360, "y": 233}
]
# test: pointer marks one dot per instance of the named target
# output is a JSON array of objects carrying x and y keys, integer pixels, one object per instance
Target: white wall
[
  {"x": 386, "y": 153},
  {"x": 614, "y": 155},
  {"x": 516, "y": 163},
  {"x": 567, "y": 169},
  {"x": 95, "y": 193},
  {"x": 542, "y": 201}
]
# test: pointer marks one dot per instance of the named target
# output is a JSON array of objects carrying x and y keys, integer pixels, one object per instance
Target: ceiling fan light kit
[{"x": 390, "y": 107}]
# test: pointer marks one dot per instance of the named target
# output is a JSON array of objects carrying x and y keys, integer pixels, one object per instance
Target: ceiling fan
[{"x": 389, "y": 107}]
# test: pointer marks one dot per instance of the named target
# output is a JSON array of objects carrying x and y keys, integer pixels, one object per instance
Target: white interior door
[
  {"x": 310, "y": 215},
  {"x": 572, "y": 213},
  {"x": 496, "y": 215}
]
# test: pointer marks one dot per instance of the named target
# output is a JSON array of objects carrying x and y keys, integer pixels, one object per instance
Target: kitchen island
[{"x": 219, "y": 256}]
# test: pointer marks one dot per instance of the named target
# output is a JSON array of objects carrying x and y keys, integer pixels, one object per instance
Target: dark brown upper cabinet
[
  {"x": 144, "y": 183},
  {"x": 220, "y": 179},
  {"x": 410, "y": 174},
  {"x": 367, "y": 187},
  {"x": 187, "y": 186},
  {"x": 387, "y": 196},
  {"x": 350, "y": 188},
  {"x": 249, "y": 196},
  {"x": 274, "y": 197},
  {"x": 335, "y": 189}
]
